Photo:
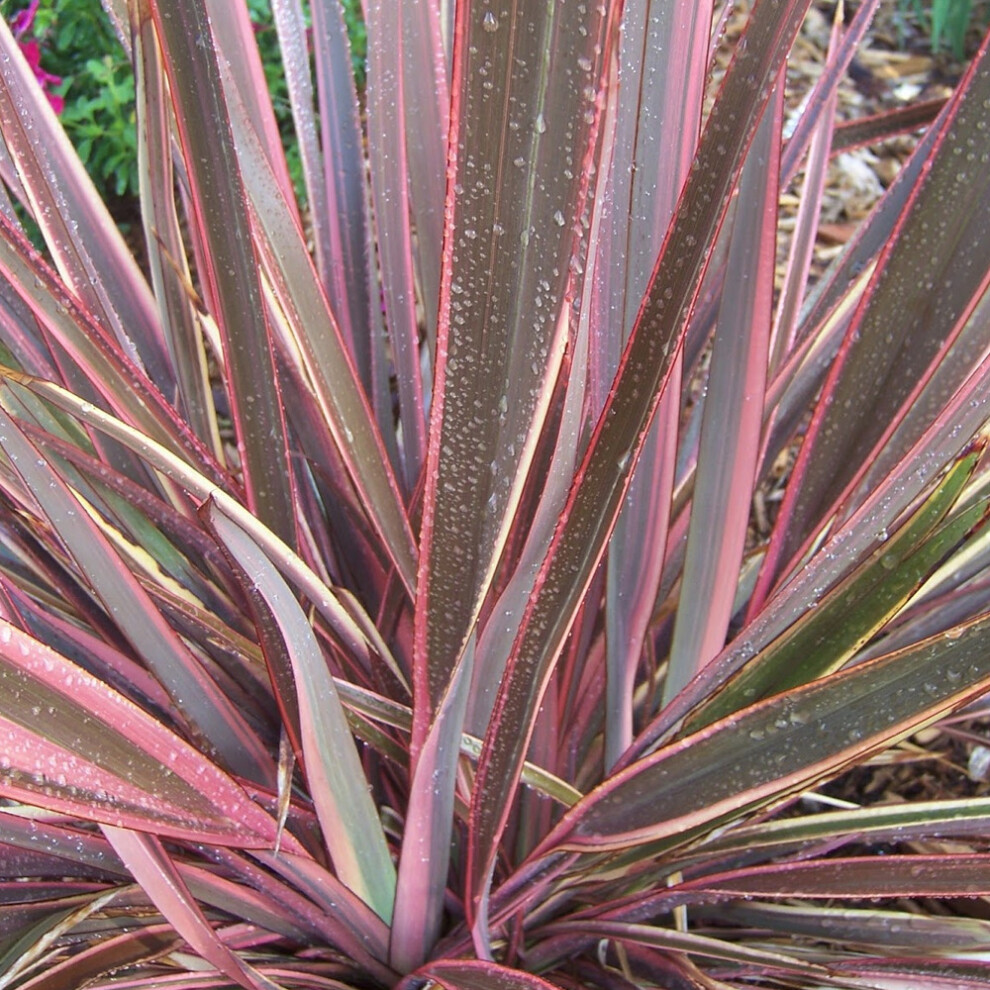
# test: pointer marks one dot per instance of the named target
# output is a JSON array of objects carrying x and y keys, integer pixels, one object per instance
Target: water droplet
[
  {"x": 979, "y": 763},
  {"x": 541, "y": 124}
]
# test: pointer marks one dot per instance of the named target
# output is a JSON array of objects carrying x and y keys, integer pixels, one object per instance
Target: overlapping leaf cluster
[{"x": 379, "y": 597}]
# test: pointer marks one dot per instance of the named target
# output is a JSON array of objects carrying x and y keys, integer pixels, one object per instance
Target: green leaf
[
  {"x": 107, "y": 956},
  {"x": 875, "y": 929},
  {"x": 688, "y": 942},
  {"x": 339, "y": 618},
  {"x": 31, "y": 945},
  {"x": 348, "y": 817},
  {"x": 845, "y": 618},
  {"x": 791, "y": 741},
  {"x": 879, "y": 823}
]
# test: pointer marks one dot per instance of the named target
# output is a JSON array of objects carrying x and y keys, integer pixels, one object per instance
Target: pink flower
[
  {"x": 32, "y": 52},
  {"x": 23, "y": 20},
  {"x": 20, "y": 24}
]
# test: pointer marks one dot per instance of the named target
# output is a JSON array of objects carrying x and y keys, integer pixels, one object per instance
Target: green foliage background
[
  {"x": 946, "y": 22},
  {"x": 78, "y": 43}
]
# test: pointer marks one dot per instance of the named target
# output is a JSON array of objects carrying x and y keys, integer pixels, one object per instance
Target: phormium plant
[{"x": 379, "y": 598}]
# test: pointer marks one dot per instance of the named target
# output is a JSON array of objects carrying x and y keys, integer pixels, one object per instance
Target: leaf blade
[
  {"x": 129, "y": 768},
  {"x": 792, "y": 740},
  {"x": 512, "y": 230},
  {"x": 350, "y": 823},
  {"x": 136, "y": 615},
  {"x": 732, "y": 420},
  {"x": 219, "y": 221},
  {"x": 598, "y": 489},
  {"x": 901, "y": 325},
  {"x": 150, "y": 864}
]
